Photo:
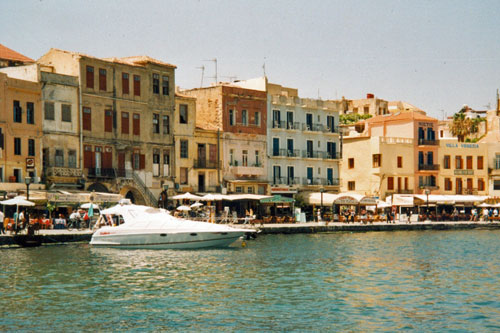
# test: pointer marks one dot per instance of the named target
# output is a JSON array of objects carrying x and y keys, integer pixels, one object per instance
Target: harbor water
[{"x": 374, "y": 281}]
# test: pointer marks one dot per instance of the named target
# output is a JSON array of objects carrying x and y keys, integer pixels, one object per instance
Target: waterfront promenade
[{"x": 66, "y": 236}]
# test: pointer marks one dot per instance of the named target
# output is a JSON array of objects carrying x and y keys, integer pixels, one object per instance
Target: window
[
  {"x": 125, "y": 84},
  {"x": 400, "y": 161},
  {"x": 390, "y": 183},
  {"x": 366, "y": 110},
  {"x": 166, "y": 163},
  {"x": 72, "y": 158},
  {"x": 30, "y": 113},
  {"x": 496, "y": 185},
  {"x": 184, "y": 149},
  {"x": 17, "y": 146},
  {"x": 102, "y": 79},
  {"x": 250, "y": 189},
  {"x": 351, "y": 186},
  {"x": 66, "y": 113},
  {"x": 239, "y": 189},
  {"x": 17, "y": 112},
  {"x": 156, "y": 83},
  {"x": 165, "y": 85},
  {"x": 257, "y": 118},
  {"x": 257, "y": 158},
  {"x": 231, "y": 117},
  {"x": 59, "y": 158},
  {"x": 166, "y": 125},
  {"x": 156, "y": 163},
  {"x": 480, "y": 184},
  {"x": 469, "y": 162},
  {"x": 49, "y": 111},
  {"x": 244, "y": 157},
  {"x": 87, "y": 119},
  {"x": 350, "y": 163},
  {"x": 446, "y": 161},
  {"x": 137, "y": 85},
  {"x": 406, "y": 183},
  {"x": 156, "y": 123},
  {"x": 90, "y": 77},
  {"x": 125, "y": 123},
  {"x": 469, "y": 184},
  {"x": 231, "y": 156},
  {"x": 31, "y": 147},
  {"x": 184, "y": 175},
  {"x": 108, "y": 121},
  {"x": 376, "y": 159},
  {"x": 183, "y": 113},
  {"x": 244, "y": 117},
  {"x": 458, "y": 162},
  {"x": 479, "y": 162},
  {"x": 137, "y": 124},
  {"x": 447, "y": 184}
]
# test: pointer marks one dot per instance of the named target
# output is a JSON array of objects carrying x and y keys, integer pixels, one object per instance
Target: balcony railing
[
  {"x": 424, "y": 142},
  {"x": 286, "y": 181},
  {"x": 62, "y": 172},
  {"x": 287, "y": 153},
  {"x": 315, "y": 181},
  {"x": 313, "y": 127},
  {"x": 289, "y": 125},
  {"x": 428, "y": 167},
  {"x": 333, "y": 156},
  {"x": 101, "y": 173},
  {"x": 205, "y": 164},
  {"x": 124, "y": 173},
  {"x": 312, "y": 154}
]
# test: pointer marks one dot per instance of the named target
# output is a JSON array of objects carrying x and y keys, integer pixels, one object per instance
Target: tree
[
  {"x": 461, "y": 127},
  {"x": 352, "y": 118}
]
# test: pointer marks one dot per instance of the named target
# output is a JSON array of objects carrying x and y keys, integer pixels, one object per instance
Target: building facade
[
  {"x": 240, "y": 115},
  {"x": 126, "y": 108}
]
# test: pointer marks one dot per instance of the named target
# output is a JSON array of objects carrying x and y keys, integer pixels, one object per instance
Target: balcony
[
  {"x": 54, "y": 171},
  {"x": 423, "y": 142},
  {"x": 319, "y": 181},
  {"x": 288, "y": 125},
  {"x": 205, "y": 164},
  {"x": 428, "y": 167},
  {"x": 286, "y": 181},
  {"x": 286, "y": 153},
  {"x": 101, "y": 173},
  {"x": 124, "y": 173},
  {"x": 245, "y": 170},
  {"x": 313, "y": 127},
  {"x": 333, "y": 156},
  {"x": 321, "y": 154}
]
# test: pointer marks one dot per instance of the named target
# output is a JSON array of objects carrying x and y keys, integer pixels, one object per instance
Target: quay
[{"x": 65, "y": 236}]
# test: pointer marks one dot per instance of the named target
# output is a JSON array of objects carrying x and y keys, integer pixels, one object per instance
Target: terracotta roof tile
[{"x": 8, "y": 54}]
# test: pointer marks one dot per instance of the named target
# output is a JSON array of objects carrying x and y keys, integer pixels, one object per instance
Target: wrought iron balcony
[
  {"x": 424, "y": 142},
  {"x": 101, "y": 173},
  {"x": 313, "y": 127},
  {"x": 205, "y": 164},
  {"x": 428, "y": 167},
  {"x": 333, "y": 155},
  {"x": 315, "y": 181}
]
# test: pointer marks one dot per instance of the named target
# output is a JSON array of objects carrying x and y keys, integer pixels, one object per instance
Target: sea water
[{"x": 374, "y": 281}]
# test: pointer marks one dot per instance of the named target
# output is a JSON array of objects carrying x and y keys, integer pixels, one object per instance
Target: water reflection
[{"x": 342, "y": 281}]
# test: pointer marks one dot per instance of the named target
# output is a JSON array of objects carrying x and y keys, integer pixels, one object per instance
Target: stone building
[
  {"x": 239, "y": 114},
  {"x": 126, "y": 109}
]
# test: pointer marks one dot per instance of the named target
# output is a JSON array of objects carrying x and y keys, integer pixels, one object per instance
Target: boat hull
[{"x": 162, "y": 240}]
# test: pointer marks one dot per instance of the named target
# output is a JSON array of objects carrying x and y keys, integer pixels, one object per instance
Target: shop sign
[
  {"x": 30, "y": 163},
  {"x": 346, "y": 201},
  {"x": 283, "y": 190}
]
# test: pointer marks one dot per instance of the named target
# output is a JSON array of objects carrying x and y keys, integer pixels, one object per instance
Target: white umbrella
[
  {"x": 18, "y": 201},
  {"x": 186, "y": 196},
  {"x": 196, "y": 205},
  {"x": 87, "y": 206},
  {"x": 183, "y": 208},
  {"x": 212, "y": 197}
]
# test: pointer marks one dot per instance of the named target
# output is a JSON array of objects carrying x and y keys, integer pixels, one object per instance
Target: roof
[
  {"x": 8, "y": 54},
  {"x": 401, "y": 116},
  {"x": 133, "y": 61}
]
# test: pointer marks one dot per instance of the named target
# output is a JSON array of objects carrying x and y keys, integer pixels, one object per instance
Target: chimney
[{"x": 370, "y": 96}]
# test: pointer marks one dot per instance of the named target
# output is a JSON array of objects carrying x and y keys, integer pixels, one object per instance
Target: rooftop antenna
[
  {"x": 231, "y": 78},
  {"x": 264, "y": 67},
  {"x": 319, "y": 97},
  {"x": 214, "y": 60},
  {"x": 202, "y": 74}
]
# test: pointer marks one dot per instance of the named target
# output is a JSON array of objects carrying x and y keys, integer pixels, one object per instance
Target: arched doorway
[
  {"x": 130, "y": 196},
  {"x": 133, "y": 194},
  {"x": 98, "y": 187}
]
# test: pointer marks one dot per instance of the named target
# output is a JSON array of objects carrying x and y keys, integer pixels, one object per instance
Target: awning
[{"x": 277, "y": 199}]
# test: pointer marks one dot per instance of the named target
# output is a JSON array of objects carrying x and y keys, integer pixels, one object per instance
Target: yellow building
[
  {"x": 464, "y": 168},
  {"x": 127, "y": 105},
  {"x": 20, "y": 133},
  {"x": 197, "y": 150}
]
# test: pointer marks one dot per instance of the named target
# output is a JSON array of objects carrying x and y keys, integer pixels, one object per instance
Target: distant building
[{"x": 11, "y": 58}]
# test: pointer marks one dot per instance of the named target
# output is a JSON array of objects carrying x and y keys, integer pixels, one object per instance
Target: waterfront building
[
  {"x": 370, "y": 105},
  {"x": 61, "y": 153},
  {"x": 20, "y": 133},
  {"x": 393, "y": 153},
  {"x": 11, "y": 58},
  {"x": 126, "y": 107},
  {"x": 197, "y": 150},
  {"x": 239, "y": 114}
]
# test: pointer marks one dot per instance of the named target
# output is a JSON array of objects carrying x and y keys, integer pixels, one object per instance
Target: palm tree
[{"x": 461, "y": 127}]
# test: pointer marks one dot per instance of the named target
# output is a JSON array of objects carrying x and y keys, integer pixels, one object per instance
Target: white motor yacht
[{"x": 154, "y": 228}]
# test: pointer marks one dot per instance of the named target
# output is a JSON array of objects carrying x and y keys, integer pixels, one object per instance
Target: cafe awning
[{"x": 277, "y": 199}]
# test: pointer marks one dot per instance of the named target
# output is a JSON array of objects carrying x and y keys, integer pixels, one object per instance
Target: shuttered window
[
  {"x": 108, "y": 121},
  {"x": 87, "y": 119},
  {"x": 90, "y": 77},
  {"x": 137, "y": 124},
  {"x": 480, "y": 163},
  {"x": 88, "y": 157},
  {"x": 102, "y": 79},
  {"x": 125, "y": 123},
  {"x": 137, "y": 85},
  {"x": 390, "y": 183},
  {"x": 125, "y": 84}
]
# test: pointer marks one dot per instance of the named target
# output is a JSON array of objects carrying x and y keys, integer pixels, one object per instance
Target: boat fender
[{"x": 243, "y": 244}]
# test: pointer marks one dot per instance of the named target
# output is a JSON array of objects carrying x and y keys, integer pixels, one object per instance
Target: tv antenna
[
  {"x": 202, "y": 74},
  {"x": 214, "y": 60}
]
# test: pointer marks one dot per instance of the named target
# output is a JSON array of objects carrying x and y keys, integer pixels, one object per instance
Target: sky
[{"x": 437, "y": 55}]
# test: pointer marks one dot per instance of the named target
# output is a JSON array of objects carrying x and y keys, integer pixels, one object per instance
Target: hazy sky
[{"x": 437, "y": 55}]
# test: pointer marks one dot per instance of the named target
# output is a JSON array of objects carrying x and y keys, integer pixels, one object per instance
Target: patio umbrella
[
  {"x": 196, "y": 205},
  {"x": 18, "y": 201},
  {"x": 183, "y": 208},
  {"x": 87, "y": 205},
  {"x": 186, "y": 196}
]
